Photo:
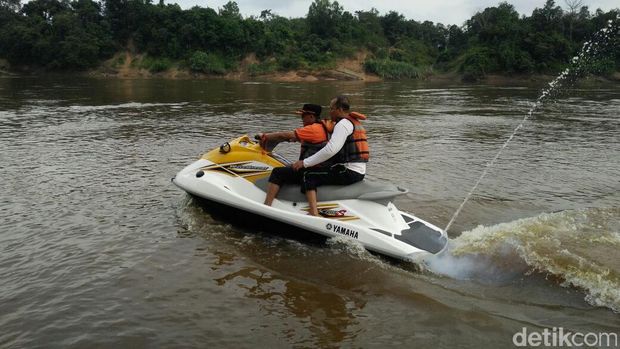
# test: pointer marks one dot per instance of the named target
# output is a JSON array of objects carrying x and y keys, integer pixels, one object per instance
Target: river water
[{"x": 99, "y": 249}]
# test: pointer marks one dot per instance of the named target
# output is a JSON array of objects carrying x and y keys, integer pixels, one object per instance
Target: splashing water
[
  {"x": 578, "y": 66},
  {"x": 577, "y": 248}
]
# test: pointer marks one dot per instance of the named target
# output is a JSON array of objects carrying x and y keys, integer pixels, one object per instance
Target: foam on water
[
  {"x": 130, "y": 105},
  {"x": 350, "y": 247},
  {"x": 578, "y": 248}
]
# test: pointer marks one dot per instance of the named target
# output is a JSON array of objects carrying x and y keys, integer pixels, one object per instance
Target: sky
[{"x": 441, "y": 11}]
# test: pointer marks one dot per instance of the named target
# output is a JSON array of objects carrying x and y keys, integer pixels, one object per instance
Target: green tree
[
  {"x": 324, "y": 18},
  {"x": 231, "y": 10},
  {"x": 10, "y": 5},
  {"x": 8, "y": 14},
  {"x": 394, "y": 26},
  {"x": 548, "y": 18},
  {"x": 368, "y": 28}
]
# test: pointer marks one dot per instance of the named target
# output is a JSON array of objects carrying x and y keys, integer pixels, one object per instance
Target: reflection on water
[
  {"x": 326, "y": 315},
  {"x": 100, "y": 249}
]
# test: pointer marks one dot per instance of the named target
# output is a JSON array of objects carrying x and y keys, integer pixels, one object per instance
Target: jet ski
[{"x": 236, "y": 174}]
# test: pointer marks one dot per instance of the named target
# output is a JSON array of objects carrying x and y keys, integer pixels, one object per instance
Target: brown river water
[{"x": 98, "y": 249}]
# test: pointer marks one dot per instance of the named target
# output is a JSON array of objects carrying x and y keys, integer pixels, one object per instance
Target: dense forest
[{"x": 75, "y": 35}]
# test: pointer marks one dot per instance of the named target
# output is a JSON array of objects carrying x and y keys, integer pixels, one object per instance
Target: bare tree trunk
[{"x": 573, "y": 6}]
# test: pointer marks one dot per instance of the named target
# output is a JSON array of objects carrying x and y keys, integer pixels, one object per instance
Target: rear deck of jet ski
[{"x": 380, "y": 192}]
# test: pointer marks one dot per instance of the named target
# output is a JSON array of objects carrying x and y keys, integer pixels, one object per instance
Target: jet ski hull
[{"x": 379, "y": 227}]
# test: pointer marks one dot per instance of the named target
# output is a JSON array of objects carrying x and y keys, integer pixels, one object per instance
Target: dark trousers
[{"x": 314, "y": 177}]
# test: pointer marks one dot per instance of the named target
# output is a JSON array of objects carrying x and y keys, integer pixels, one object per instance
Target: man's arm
[
  {"x": 268, "y": 141},
  {"x": 285, "y": 136}
]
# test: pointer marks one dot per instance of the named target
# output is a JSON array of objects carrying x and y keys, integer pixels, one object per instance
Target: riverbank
[
  {"x": 129, "y": 65},
  {"x": 126, "y": 65}
]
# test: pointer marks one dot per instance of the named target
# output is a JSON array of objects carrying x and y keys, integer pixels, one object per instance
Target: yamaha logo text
[{"x": 342, "y": 230}]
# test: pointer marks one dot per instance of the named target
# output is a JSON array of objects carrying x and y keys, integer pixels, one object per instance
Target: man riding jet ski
[
  {"x": 236, "y": 174},
  {"x": 342, "y": 161},
  {"x": 313, "y": 136}
]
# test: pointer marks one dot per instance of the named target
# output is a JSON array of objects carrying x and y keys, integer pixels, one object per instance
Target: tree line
[{"x": 81, "y": 34}]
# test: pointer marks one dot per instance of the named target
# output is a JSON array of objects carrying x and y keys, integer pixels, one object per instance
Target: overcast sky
[{"x": 442, "y": 11}]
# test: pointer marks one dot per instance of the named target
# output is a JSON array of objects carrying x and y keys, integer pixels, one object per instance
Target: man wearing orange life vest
[
  {"x": 347, "y": 150},
  {"x": 313, "y": 136}
]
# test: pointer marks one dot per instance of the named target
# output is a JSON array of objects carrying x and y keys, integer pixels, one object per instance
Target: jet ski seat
[{"x": 378, "y": 191}]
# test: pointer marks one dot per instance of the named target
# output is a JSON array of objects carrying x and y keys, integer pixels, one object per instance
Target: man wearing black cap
[{"x": 313, "y": 136}]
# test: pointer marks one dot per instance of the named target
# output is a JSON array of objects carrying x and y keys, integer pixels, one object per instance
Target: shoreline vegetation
[{"x": 140, "y": 39}]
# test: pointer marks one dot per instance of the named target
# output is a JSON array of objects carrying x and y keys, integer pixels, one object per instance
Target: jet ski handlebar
[{"x": 264, "y": 143}]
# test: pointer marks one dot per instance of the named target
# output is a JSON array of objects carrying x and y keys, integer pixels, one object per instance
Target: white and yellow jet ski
[{"x": 236, "y": 174}]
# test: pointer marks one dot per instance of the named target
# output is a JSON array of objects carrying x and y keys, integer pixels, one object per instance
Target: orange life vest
[
  {"x": 312, "y": 143},
  {"x": 355, "y": 148}
]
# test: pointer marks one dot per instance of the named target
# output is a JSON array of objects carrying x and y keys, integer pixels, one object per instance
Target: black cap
[{"x": 309, "y": 108}]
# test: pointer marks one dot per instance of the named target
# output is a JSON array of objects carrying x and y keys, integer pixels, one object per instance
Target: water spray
[{"x": 577, "y": 67}]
